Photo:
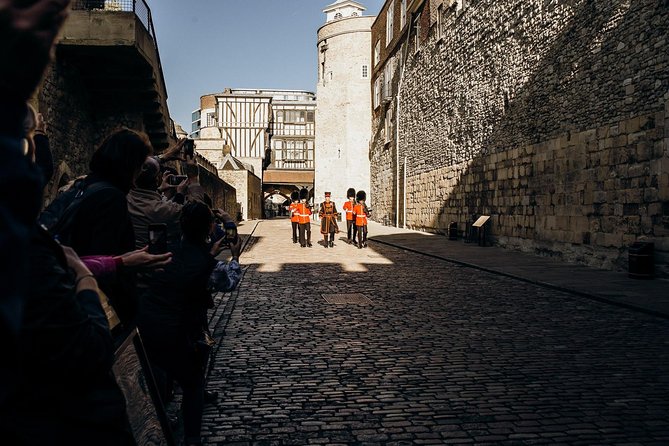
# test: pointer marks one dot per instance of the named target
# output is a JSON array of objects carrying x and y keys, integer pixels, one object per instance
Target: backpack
[{"x": 61, "y": 212}]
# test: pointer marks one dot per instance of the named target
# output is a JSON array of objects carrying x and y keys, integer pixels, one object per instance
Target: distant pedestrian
[
  {"x": 294, "y": 216},
  {"x": 361, "y": 212},
  {"x": 350, "y": 220},
  {"x": 304, "y": 212},
  {"x": 328, "y": 215}
]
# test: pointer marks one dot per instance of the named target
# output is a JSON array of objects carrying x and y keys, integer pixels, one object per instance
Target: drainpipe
[
  {"x": 404, "y": 188},
  {"x": 397, "y": 128}
]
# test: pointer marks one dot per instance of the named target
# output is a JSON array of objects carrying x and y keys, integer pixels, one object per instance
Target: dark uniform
[{"x": 328, "y": 215}]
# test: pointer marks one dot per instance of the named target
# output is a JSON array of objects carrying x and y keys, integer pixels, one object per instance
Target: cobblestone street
[{"x": 443, "y": 354}]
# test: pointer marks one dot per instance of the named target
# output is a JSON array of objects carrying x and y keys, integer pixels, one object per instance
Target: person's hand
[
  {"x": 74, "y": 262},
  {"x": 174, "y": 152},
  {"x": 236, "y": 247},
  {"x": 217, "y": 247},
  {"x": 165, "y": 183},
  {"x": 191, "y": 169},
  {"x": 40, "y": 125},
  {"x": 183, "y": 186},
  {"x": 142, "y": 260},
  {"x": 223, "y": 216},
  {"x": 27, "y": 34}
]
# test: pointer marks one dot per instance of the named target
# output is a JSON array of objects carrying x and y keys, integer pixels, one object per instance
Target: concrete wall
[
  {"x": 549, "y": 116},
  {"x": 343, "y": 116}
]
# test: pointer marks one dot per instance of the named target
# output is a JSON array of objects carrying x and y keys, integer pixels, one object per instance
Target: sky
[{"x": 209, "y": 45}]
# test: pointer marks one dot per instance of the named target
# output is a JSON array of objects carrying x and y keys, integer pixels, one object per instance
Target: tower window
[{"x": 365, "y": 72}]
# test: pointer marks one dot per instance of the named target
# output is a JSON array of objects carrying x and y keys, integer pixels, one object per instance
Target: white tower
[{"x": 343, "y": 113}]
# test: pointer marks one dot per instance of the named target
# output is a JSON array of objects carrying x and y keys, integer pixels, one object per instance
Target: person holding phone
[
  {"x": 146, "y": 205},
  {"x": 173, "y": 318}
]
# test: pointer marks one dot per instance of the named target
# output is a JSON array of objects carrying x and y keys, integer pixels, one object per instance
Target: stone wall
[
  {"x": 74, "y": 125},
  {"x": 549, "y": 116}
]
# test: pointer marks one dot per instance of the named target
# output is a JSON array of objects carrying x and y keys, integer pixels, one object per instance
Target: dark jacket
[
  {"x": 66, "y": 393},
  {"x": 101, "y": 225},
  {"x": 20, "y": 201},
  {"x": 179, "y": 296}
]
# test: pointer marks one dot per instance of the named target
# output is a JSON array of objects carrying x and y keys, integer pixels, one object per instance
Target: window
[
  {"x": 416, "y": 34},
  {"x": 211, "y": 120},
  {"x": 388, "y": 127},
  {"x": 365, "y": 71},
  {"x": 196, "y": 115},
  {"x": 440, "y": 21},
  {"x": 310, "y": 116},
  {"x": 295, "y": 116},
  {"x": 403, "y": 14},
  {"x": 462, "y": 4},
  {"x": 377, "y": 52},
  {"x": 279, "y": 116},
  {"x": 388, "y": 80},
  {"x": 390, "y": 15},
  {"x": 377, "y": 91}
]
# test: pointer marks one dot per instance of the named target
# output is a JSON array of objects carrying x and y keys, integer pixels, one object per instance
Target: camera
[
  {"x": 226, "y": 231},
  {"x": 176, "y": 180},
  {"x": 189, "y": 148}
]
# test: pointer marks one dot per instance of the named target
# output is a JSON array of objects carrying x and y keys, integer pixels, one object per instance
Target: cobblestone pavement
[{"x": 444, "y": 354}]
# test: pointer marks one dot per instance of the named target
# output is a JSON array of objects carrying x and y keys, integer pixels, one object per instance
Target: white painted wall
[{"x": 343, "y": 114}]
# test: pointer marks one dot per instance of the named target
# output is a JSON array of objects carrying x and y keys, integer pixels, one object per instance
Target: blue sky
[{"x": 208, "y": 45}]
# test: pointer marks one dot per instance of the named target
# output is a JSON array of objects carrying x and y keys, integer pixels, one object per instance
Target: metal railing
[{"x": 139, "y": 7}]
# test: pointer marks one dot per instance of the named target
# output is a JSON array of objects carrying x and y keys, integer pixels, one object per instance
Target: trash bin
[
  {"x": 641, "y": 260},
  {"x": 453, "y": 231}
]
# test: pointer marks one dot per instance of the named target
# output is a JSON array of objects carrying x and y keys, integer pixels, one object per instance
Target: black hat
[
  {"x": 350, "y": 193},
  {"x": 295, "y": 195},
  {"x": 361, "y": 195},
  {"x": 304, "y": 194}
]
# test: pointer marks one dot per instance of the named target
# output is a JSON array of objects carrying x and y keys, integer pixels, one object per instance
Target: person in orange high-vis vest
[
  {"x": 294, "y": 217},
  {"x": 304, "y": 215},
  {"x": 361, "y": 212},
  {"x": 350, "y": 221}
]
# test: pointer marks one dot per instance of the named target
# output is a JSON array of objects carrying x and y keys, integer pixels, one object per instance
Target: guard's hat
[
  {"x": 350, "y": 193},
  {"x": 304, "y": 194},
  {"x": 295, "y": 196},
  {"x": 361, "y": 195}
]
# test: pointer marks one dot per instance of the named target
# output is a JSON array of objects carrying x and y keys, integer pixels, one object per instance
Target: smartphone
[
  {"x": 157, "y": 238},
  {"x": 189, "y": 148},
  {"x": 230, "y": 232},
  {"x": 176, "y": 180}
]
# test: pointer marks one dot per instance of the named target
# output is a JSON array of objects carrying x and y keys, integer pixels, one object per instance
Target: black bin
[
  {"x": 641, "y": 260},
  {"x": 453, "y": 231}
]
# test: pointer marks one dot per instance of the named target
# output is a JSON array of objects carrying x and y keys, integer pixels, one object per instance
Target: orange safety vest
[
  {"x": 348, "y": 208},
  {"x": 294, "y": 217},
  {"x": 360, "y": 215},
  {"x": 303, "y": 213}
]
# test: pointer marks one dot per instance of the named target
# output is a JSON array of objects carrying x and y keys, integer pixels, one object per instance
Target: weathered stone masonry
[{"x": 552, "y": 117}]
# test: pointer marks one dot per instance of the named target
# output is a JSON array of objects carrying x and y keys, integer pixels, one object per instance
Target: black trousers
[
  {"x": 362, "y": 234},
  {"x": 295, "y": 225},
  {"x": 174, "y": 353},
  {"x": 305, "y": 233},
  {"x": 351, "y": 230}
]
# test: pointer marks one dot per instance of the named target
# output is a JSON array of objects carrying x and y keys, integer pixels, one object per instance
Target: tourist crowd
[{"x": 124, "y": 249}]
